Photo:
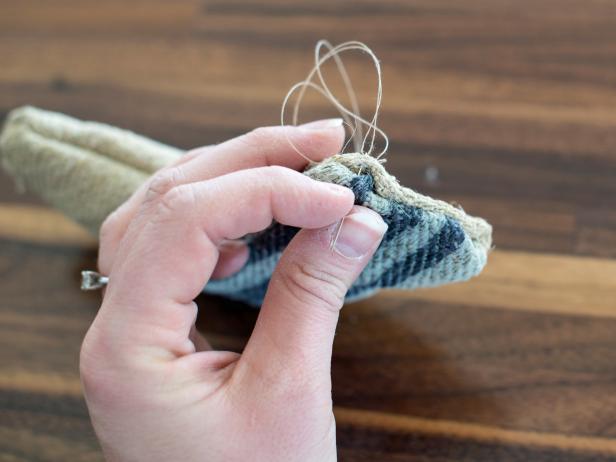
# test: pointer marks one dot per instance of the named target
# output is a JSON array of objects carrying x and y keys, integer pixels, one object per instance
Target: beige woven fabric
[{"x": 85, "y": 169}]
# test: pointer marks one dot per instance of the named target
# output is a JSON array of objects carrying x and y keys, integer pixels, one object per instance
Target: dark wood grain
[{"x": 504, "y": 107}]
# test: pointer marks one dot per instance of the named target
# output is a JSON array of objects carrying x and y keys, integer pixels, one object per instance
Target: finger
[
  {"x": 197, "y": 338},
  {"x": 232, "y": 256},
  {"x": 258, "y": 148},
  {"x": 171, "y": 248},
  {"x": 296, "y": 326},
  {"x": 115, "y": 225},
  {"x": 267, "y": 146}
]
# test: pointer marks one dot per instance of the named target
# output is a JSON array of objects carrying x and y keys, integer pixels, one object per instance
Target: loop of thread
[{"x": 351, "y": 116}]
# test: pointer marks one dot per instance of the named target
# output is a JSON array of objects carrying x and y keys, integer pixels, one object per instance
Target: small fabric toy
[
  {"x": 427, "y": 243},
  {"x": 88, "y": 169}
]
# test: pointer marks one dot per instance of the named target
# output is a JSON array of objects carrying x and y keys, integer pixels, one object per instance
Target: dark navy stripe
[
  {"x": 399, "y": 217},
  {"x": 274, "y": 240},
  {"x": 446, "y": 242},
  {"x": 362, "y": 186}
]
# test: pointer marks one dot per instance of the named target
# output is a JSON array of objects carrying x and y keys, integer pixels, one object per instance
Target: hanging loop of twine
[{"x": 363, "y": 142}]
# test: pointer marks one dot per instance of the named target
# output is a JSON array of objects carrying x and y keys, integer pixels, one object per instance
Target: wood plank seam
[{"x": 470, "y": 431}]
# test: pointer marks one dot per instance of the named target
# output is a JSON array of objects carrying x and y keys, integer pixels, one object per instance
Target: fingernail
[
  {"x": 229, "y": 245},
  {"x": 361, "y": 230},
  {"x": 323, "y": 124}
]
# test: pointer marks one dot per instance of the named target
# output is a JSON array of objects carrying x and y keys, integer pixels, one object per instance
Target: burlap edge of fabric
[{"x": 387, "y": 186}]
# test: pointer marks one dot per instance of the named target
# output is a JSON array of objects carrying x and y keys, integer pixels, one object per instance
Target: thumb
[{"x": 298, "y": 318}]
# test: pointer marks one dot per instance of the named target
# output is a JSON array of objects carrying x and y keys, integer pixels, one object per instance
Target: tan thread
[{"x": 351, "y": 116}]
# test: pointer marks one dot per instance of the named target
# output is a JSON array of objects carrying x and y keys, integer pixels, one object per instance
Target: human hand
[{"x": 155, "y": 389}]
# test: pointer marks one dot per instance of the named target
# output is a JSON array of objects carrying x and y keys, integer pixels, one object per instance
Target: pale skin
[{"x": 155, "y": 389}]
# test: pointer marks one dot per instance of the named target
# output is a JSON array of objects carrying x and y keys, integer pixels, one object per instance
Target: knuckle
[
  {"x": 189, "y": 155},
  {"x": 164, "y": 181},
  {"x": 179, "y": 198},
  {"x": 180, "y": 320},
  {"x": 278, "y": 171},
  {"x": 107, "y": 365},
  {"x": 273, "y": 178},
  {"x": 260, "y": 137},
  {"x": 91, "y": 364},
  {"x": 109, "y": 234},
  {"x": 103, "y": 383},
  {"x": 309, "y": 284},
  {"x": 108, "y": 227}
]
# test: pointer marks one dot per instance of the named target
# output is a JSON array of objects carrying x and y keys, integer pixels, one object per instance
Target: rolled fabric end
[{"x": 84, "y": 169}]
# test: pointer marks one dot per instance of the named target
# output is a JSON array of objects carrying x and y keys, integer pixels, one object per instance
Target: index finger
[
  {"x": 258, "y": 148},
  {"x": 170, "y": 249}
]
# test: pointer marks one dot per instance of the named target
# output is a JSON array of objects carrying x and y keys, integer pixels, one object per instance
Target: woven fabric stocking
[
  {"x": 87, "y": 169},
  {"x": 84, "y": 169}
]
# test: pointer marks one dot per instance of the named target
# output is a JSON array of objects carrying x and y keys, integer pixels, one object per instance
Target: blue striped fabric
[{"x": 421, "y": 248}]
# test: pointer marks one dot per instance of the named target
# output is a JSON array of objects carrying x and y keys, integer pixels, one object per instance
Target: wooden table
[{"x": 508, "y": 108}]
